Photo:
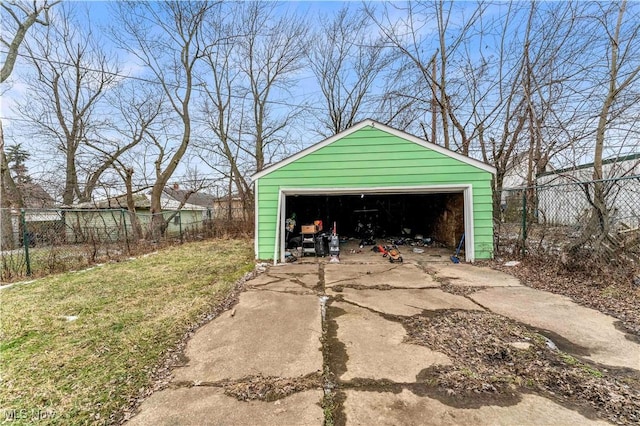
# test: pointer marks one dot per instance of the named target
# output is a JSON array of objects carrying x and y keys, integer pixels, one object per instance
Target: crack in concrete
[
  {"x": 364, "y": 274},
  {"x": 334, "y": 360},
  {"x": 293, "y": 292},
  {"x": 431, "y": 390},
  {"x": 381, "y": 287},
  {"x": 275, "y": 281},
  {"x": 258, "y": 387},
  {"x": 386, "y": 316},
  {"x": 278, "y": 280},
  {"x": 513, "y": 394},
  {"x": 458, "y": 290},
  {"x": 300, "y": 283}
]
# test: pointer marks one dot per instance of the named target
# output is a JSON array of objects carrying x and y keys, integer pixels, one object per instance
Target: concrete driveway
[{"x": 313, "y": 334}]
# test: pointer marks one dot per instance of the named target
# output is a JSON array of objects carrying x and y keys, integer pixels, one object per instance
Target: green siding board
[
  {"x": 367, "y": 155},
  {"x": 408, "y": 167},
  {"x": 371, "y": 157},
  {"x": 435, "y": 166},
  {"x": 348, "y": 179}
]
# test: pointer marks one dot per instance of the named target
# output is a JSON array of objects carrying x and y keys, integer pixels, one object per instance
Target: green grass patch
[
  {"x": 569, "y": 360},
  {"x": 129, "y": 315}
]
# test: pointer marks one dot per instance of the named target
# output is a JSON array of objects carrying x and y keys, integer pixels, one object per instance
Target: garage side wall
[{"x": 371, "y": 157}]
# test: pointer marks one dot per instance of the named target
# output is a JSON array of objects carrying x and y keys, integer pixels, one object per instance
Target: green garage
[{"x": 387, "y": 181}]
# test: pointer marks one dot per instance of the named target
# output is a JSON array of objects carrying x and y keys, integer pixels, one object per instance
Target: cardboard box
[{"x": 308, "y": 229}]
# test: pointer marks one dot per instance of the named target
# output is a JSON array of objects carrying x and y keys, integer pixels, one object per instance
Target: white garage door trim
[{"x": 466, "y": 190}]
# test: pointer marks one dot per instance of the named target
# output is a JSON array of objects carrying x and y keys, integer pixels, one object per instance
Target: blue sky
[{"x": 307, "y": 88}]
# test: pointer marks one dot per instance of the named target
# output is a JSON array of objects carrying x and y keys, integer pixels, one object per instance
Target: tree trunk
[
  {"x": 158, "y": 225},
  {"x": 8, "y": 192},
  {"x": 131, "y": 206},
  {"x": 7, "y": 241},
  {"x": 598, "y": 229}
]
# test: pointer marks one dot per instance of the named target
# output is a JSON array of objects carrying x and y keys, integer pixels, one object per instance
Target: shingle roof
[
  {"x": 195, "y": 198},
  {"x": 34, "y": 195}
]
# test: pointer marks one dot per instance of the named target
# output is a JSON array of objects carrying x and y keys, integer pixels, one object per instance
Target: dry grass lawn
[{"x": 75, "y": 348}]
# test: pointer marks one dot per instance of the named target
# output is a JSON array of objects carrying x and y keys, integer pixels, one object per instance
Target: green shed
[{"x": 381, "y": 180}]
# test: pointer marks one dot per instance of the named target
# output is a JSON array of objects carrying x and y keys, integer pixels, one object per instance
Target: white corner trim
[
  {"x": 469, "y": 235},
  {"x": 279, "y": 237},
  {"x": 255, "y": 220}
]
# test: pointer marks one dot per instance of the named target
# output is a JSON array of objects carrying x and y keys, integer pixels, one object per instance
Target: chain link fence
[
  {"x": 36, "y": 242},
  {"x": 547, "y": 219}
]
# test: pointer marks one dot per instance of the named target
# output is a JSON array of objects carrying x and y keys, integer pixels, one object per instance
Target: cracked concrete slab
[
  {"x": 210, "y": 406},
  {"x": 280, "y": 285},
  {"x": 307, "y": 274},
  {"x": 252, "y": 340},
  {"x": 403, "y": 275},
  {"x": 585, "y": 327},
  {"x": 294, "y": 268},
  {"x": 473, "y": 276},
  {"x": 263, "y": 279},
  {"x": 406, "y": 408},
  {"x": 406, "y": 302},
  {"x": 274, "y": 333},
  {"x": 306, "y": 280},
  {"x": 365, "y": 333}
]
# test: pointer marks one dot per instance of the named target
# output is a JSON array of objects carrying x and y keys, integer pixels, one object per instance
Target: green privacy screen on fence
[{"x": 373, "y": 156}]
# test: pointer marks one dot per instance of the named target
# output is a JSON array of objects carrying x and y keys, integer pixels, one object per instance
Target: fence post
[
  {"x": 524, "y": 222},
  {"x": 25, "y": 240},
  {"x": 180, "y": 225},
  {"x": 126, "y": 234}
]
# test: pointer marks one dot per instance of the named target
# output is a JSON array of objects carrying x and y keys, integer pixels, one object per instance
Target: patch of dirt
[
  {"x": 459, "y": 290},
  {"x": 493, "y": 355},
  {"x": 270, "y": 388},
  {"x": 610, "y": 291}
]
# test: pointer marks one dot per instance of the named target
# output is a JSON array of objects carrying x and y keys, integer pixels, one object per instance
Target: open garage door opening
[{"x": 439, "y": 218}]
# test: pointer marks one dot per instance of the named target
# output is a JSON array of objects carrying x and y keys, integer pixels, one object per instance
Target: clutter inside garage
[{"x": 435, "y": 220}]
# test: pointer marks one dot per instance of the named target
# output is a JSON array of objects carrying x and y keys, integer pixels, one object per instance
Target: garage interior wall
[
  {"x": 439, "y": 216},
  {"x": 373, "y": 158}
]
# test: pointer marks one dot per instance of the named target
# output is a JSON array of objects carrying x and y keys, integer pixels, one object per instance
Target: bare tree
[
  {"x": 346, "y": 61},
  {"x": 224, "y": 102},
  {"x": 427, "y": 52},
  {"x": 17, "y": 18},
  {"x": 72, "y": 77},
  {"x": 524, "y": 81},
  {"x": 167, "y": 38},
  {"x": 253, "y": 55},
  {"x": 272, "y": 48},
  {"x": 138, "y": 110},
  {"x": 619, "y": 25},
  {"x": 20, "y": 15}
]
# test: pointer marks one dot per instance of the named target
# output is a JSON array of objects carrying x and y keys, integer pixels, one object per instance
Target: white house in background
[
  {"x": 514, "y": 180},
  {"x": 515, "y": 177},
  {"x": 562, "y": 201}
]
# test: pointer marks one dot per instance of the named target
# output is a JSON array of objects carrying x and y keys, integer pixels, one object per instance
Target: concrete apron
[
  {"x": 273, "y": 332},
  {"x": 276, "y": 331}
]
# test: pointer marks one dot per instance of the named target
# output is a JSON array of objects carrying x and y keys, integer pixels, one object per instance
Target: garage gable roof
[{"x": 384, "y": 128}]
